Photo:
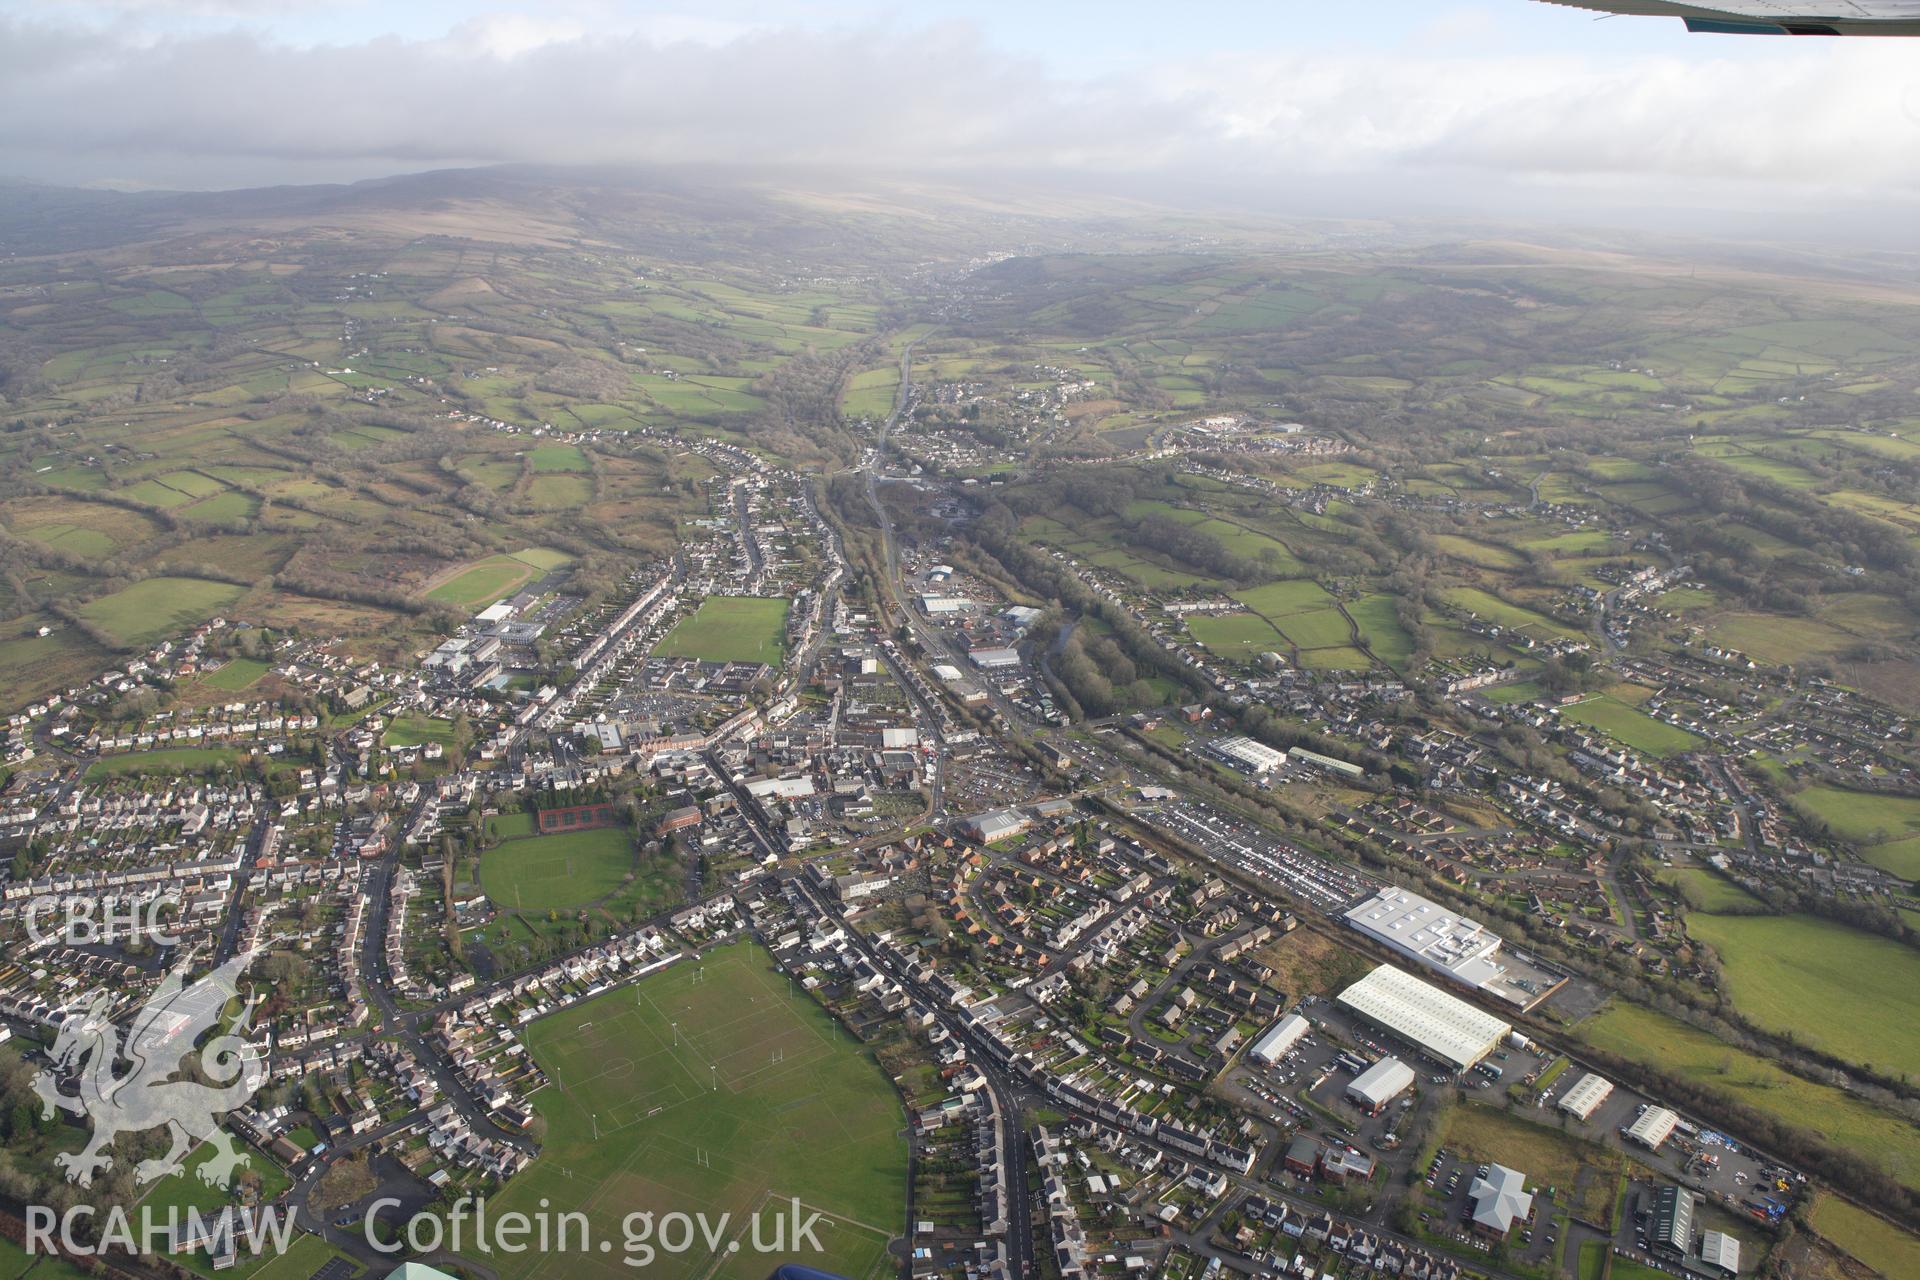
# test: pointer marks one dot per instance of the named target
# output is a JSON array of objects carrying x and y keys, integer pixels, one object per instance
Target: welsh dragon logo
[{"x": 153, "y": 1092}]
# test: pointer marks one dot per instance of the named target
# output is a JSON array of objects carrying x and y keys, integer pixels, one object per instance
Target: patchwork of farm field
[
  {"x": 712, "y": 1086},
  {"x": 159, "y": 428}
]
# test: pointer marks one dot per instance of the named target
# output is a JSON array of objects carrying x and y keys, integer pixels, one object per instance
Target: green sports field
[
  {"x": 731, "y": 629},
  {"x": 542, "y": 873},
  {"x": 485, "y": 582},
  {"x": 712, "y": 1088},
  {"x": 237, "y": 674}
]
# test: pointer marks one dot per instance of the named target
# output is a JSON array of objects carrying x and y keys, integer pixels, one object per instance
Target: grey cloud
[{"x": 232, "y": 108}]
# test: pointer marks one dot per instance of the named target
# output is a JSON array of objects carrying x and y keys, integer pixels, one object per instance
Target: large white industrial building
[
  {"x": 1585, "y": 1097},
  {"x": 1279, "y": 1039},
  {"x": 1252, "y": 757},
  {"x": 1655, "y": 1126},
  {"x": 1444, "y": 1027},
  {"x": 1380, "y": 1084},
  {"x": 1461, "y": 948}
]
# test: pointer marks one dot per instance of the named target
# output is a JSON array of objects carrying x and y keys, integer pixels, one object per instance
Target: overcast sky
[{"x": 1495, "y": 104}]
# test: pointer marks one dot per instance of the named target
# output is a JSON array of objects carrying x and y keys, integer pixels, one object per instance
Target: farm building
[
  {"x": 1499, "y": 1200},
  {"x": 1380, "y": 1084},
  {"x": 1585, "y": 1097},
  {"x": 1655, "y": 1126},
  {"x": 1444, "y": 1027},
  {"x": 1278, "y": 1039},
  {"x": 1249, "y": 756}
]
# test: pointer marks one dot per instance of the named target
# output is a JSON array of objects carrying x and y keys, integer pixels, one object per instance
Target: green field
[
  {"x": 1317, "y": 629},
  {"x": 1548, "y": 1156},
  {"x": 870, "y": 394},
  {"x": 730, "y": 629},
  {"x": 414, "y": 731},
  {"x": 1822, "y": 1110},
  {"x": 17, "y": 1264},
  {"x": 1630, "y": 726},
  {"x": 1778, "y": 968},
  {"x": 551, "y": 873},
  {"x": 1278, "y": 599},
  {"x": 163, "y": 760},
  {"x": 1875, "y": 1241},
  {"x": 1236, "y": 635},
  {"x": 712, "y": 1087},
  {"x": 157, "y": 608},
  {"x": 1491, "y": 608},
  {"x": 1379, "y": 622},
  {"x": 502, "y": 826},
  {"x": 1709, "y": 891},
  {"x": 1887, "y": 827},
  {"x": 483, "y": 583},
  {"x": 236, "y": 675},
  {"x": 557, "y": 457}
]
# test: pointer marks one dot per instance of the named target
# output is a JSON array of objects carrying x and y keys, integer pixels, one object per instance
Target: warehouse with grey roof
[{"x": 1442, "y": 1026}]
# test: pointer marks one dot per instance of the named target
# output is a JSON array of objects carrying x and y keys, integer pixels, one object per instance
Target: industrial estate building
[
  {"x": 1462, "y": 949},
  {"x": 1278, "y": 1040},
  {"x": 1249, "y": 756},
  {"x": 989, "y": 827},
  {"x": 1653, "y": 1127},
  {"x": 1444, "y": 1027},
  {"x": 1328, "y": 763},
  {"x": 1585, "y": 1097},
  {"x": 1500, "y": 1199},
  {"x": 1673, "y": 1220},
  {"x": 1721, "y": 1252},
  {"x": 1380, "y": 1084}
]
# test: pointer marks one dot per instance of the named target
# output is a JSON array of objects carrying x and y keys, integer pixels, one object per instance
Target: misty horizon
[{"x": 1512, "y": 109}]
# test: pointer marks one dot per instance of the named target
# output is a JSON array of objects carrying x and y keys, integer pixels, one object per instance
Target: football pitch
[
  {"x": 731, "y": 629},
  {"x": 540, "y": 873},
  {"x": 711, "y": 1088}
]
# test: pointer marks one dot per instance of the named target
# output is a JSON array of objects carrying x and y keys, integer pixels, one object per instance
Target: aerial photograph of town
[{"x": 968, "y": 642}]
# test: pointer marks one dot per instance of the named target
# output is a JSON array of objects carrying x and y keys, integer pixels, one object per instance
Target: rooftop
[{"x": 1445, "y": 1026}]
